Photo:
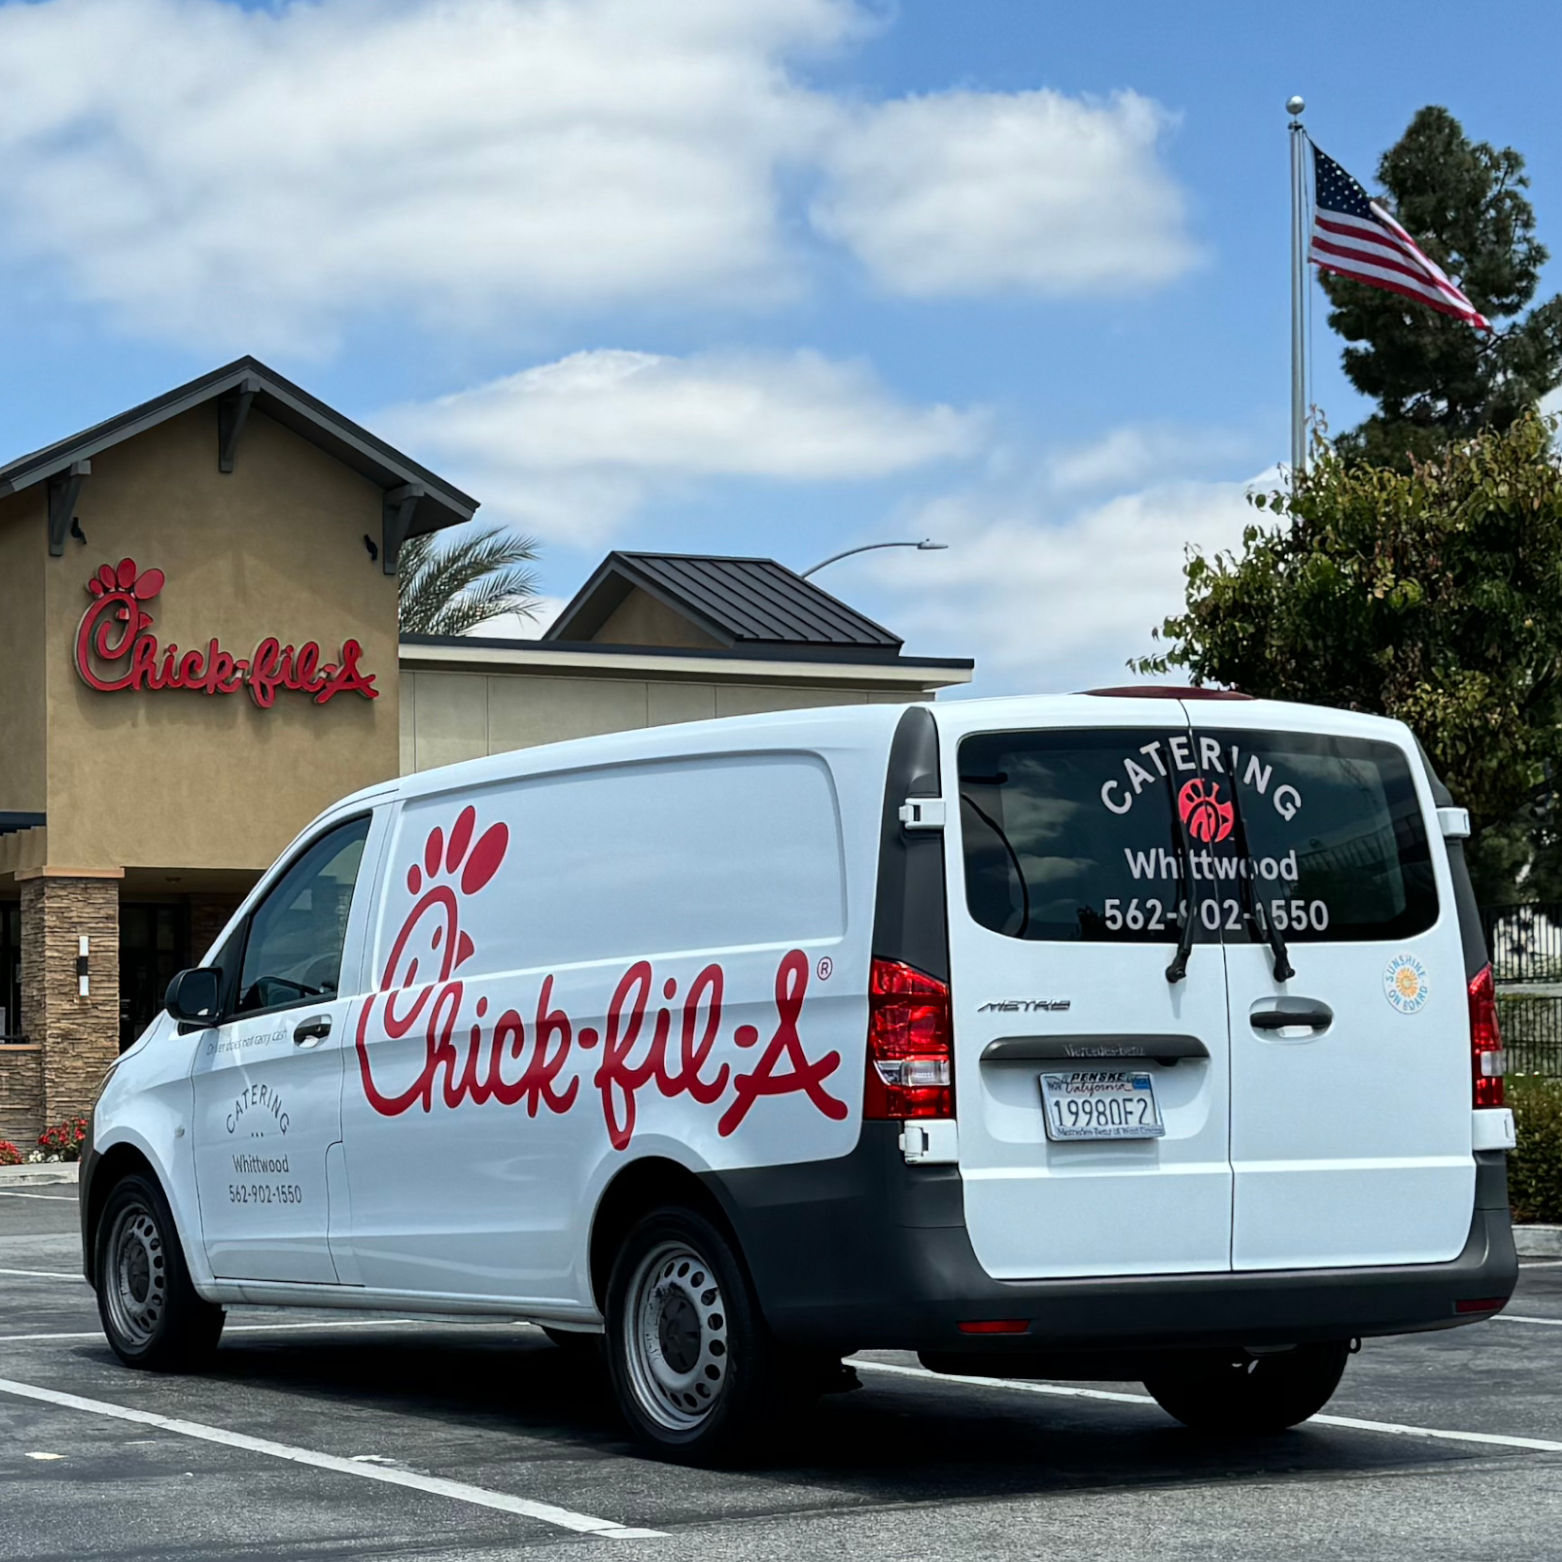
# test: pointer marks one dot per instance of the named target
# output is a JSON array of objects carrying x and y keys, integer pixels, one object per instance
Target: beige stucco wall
[
  {"x": 451, "y": 716},
  {"x": 641, "y": 620},
  {"x": 180, "y": 778},
  {"x": 24, "y": 544}
]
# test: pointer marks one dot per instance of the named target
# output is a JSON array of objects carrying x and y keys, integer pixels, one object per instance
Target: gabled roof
[
  {"x": 741, "y": 603},
  {"x": 440, "y": 504}
]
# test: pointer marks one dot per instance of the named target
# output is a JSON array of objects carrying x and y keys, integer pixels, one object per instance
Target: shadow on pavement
[{"x": 900, "y": 1440}]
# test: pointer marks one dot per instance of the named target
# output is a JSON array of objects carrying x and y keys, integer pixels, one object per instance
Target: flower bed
[{"x": 63, "y": 1142}]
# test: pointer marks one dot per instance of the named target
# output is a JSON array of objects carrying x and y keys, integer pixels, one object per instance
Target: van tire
[
  {"x": 1251, "y": 1396},
  {"x": 694, "y": 1369},
  {"x": 150, "y": 1311}
]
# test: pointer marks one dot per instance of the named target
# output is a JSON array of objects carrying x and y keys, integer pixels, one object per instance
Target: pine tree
[{"x": 1433, "y": 377}]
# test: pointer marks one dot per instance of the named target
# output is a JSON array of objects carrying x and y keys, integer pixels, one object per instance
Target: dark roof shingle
[{"x": 738, "y": 601}]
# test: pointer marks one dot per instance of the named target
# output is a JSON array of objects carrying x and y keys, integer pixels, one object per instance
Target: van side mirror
[{"x": 192, "y": 996}]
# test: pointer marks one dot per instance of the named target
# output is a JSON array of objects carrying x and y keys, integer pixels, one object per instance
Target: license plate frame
[{"x": 1128, "y": 1088}]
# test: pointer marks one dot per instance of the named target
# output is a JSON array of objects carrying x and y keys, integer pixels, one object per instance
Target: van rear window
[{"x": 1090, "y": 835}]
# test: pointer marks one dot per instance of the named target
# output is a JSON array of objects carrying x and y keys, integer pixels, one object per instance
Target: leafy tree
[
  {"x": 451, "y": 583},
  {"x": 1433, "y": 377},
  {"x": 1433, "y": 595}
]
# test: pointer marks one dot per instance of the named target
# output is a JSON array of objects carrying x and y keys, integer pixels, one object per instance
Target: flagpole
[{"x": 1294, "y": 107}]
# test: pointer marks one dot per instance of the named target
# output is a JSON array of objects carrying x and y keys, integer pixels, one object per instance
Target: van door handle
[
  {"x": 1289, "y": 1013},
  {"x": 316, "y": 1028}
]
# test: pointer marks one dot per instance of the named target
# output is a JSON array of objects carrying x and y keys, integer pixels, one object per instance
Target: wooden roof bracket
[
  {"x": 401, "y": 505},
  {"x": 232, "y": 410},
  {"x": 64, "y": 491}
]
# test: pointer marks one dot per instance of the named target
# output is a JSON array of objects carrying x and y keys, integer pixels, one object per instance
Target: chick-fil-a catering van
[{"x": 1133, "y": 1034}]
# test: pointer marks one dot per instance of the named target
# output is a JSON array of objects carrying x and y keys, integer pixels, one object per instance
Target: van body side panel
[{"x": 671, "y": 951}]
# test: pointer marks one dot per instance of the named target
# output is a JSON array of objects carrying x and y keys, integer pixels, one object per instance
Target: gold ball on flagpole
[{"x": 1294, "y": 106}]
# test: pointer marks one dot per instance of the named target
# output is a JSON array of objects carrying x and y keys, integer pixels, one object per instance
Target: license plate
[{"x": 1112, "y": 1103}]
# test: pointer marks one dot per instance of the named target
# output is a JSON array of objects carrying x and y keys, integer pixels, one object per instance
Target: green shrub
[{"x": 1535, "y": 1167}]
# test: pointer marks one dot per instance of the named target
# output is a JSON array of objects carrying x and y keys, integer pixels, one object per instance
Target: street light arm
[{"x": 926, "y": 545}]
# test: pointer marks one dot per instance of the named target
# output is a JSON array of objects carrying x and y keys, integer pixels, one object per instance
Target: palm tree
[{"x": 449, "y": 586}]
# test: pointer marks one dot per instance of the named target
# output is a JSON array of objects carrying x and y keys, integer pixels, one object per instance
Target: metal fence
[
  {"x": 1525, "y": 943},
  {"x": 1531, "y": 1032}
]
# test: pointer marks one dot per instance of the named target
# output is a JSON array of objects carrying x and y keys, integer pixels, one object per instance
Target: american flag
[{"x": 1354, "y": 236}]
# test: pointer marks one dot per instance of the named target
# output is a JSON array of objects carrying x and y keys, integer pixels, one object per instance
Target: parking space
[{"x": 354, "y": 1435}]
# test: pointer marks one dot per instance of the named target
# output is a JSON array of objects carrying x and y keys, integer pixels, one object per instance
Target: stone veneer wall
[
  {"x": 21, "y": 1096},
  {"x": 207, "y": 919},
  {"x": 80, "y": 1036}
]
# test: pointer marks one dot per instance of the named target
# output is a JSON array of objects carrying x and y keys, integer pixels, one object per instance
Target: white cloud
[
  {"x": 1050, "y": 604},
  {"x": 260, "y": 177},
  {"x": 571, "y": 448},
  {"x": 515, "y": 626},
  {"x": 1138, "y": 454},
  {"x": 964, "y": 192},
  {"x": 214, "y": 171}
]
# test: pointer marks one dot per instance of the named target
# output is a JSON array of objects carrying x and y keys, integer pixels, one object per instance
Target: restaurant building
[{"x": 199, "y": 652}]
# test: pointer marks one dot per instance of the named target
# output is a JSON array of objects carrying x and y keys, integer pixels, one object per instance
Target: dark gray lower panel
[{"x": 866, "y": 1252}]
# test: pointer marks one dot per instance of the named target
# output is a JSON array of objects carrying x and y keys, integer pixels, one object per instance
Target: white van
[{"x": 1143, "y": 1034}]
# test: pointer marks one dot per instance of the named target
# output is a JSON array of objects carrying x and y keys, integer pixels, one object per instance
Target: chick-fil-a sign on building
[{"x": 116, "y": 650}]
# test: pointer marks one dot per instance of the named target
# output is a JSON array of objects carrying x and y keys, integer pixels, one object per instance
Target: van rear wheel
[
  {"x": 151, "y": 1313},
  {"x": 694, "y": 1370},
  {"x": 1251, "y": 1396}
]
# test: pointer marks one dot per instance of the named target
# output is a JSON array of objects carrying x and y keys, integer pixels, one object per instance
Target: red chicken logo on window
[{"x": 1208, "y": 818}]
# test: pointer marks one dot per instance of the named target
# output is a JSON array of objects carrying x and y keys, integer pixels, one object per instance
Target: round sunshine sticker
[{"x": 1405, "y": 984}]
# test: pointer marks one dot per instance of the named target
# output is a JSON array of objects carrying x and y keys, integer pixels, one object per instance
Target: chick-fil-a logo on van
[
  {"x": 671, "y": 1048},
  {"x": 1209, "y": 818},
  {"x": 116, "y": 649}
]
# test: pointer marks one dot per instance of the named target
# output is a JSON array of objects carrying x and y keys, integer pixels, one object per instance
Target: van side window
[{"x": 294, "y": 950}]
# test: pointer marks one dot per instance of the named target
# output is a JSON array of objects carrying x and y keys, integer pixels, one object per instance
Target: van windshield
[{"x": 1080, "y": 835}]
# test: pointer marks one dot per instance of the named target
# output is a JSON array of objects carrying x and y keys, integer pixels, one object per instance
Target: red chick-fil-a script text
[
  {"x": 116, "y": 649},
  {"x": 642, "y": 1043}
]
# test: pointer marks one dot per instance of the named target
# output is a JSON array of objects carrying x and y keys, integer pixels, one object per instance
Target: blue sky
[{"x": 751, "y": 276}]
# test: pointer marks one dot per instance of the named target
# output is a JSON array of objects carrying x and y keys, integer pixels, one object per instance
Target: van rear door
[
  {"x": 1065, "y": 870},
  {"x": 1350, "y": 1082}
]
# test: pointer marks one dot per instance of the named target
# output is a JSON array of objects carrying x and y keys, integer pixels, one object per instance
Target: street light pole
[{"x": 927, "y": 545}]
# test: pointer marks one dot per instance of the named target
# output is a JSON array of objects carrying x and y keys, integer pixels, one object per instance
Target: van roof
[{"x": 868, "y": 727}]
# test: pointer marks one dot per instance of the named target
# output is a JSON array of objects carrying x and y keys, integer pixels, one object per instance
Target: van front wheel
[
  {"x": 693, "y": 1368},
  {"x": 1251, "y": 1396},
  {"x": 150, "y": 1311}
]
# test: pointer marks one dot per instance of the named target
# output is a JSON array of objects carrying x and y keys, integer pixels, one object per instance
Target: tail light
[
  {"x": 911, "y": 1065},
  {"x": 1487, "y": 1062}
]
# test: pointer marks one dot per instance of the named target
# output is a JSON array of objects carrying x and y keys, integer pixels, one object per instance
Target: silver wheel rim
[
  {"x": 676, "y": 1337},
  {"x": 136, "y": 1275}
]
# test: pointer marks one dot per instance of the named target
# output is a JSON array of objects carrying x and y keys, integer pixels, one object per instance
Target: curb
[
  {"x": 1538, "y": 1241},
  {"x": 43, "y": 1174}
]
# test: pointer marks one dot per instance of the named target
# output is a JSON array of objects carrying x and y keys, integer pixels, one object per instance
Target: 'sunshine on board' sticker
[{"x": 1405, "y": 984}]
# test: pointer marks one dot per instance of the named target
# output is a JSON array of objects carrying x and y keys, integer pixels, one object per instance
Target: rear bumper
[{"x": 865, "y": 1252}]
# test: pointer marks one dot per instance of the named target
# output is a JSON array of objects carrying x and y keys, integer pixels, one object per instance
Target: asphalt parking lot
[{"x": 336, "y": 1434}]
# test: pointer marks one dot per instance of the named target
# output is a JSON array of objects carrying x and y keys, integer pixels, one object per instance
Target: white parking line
[
  {"x": 457, "y": 1491},
  {"x": 1060, "y": 1391},
  {"x": 52, "y": 1198},
  {"x": 1550, "y": 1323},
  {"x": 44, "y": 1274}
]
